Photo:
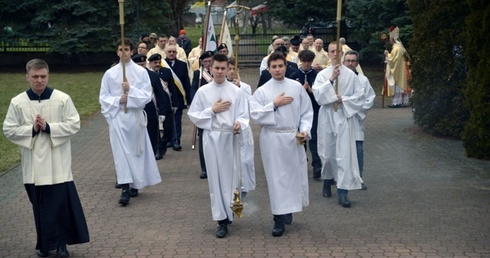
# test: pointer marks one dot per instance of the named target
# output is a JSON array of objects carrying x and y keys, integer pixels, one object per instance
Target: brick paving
[{"x": 424, "y": 199}]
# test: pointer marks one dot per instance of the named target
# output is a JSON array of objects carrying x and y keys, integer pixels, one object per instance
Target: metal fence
[{"x": 252, "y": 47}]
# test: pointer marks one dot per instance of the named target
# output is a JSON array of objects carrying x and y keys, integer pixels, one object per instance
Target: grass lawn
[{"x": 82, "y": 87}]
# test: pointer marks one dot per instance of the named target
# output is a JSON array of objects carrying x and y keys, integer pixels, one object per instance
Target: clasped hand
[{"x": 39, "y": 124}]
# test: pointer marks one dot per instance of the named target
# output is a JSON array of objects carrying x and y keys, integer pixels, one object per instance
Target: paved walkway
[{"x": 424, "y": 199}]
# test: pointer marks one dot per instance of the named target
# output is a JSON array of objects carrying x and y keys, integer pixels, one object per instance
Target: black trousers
[
  {"x": 58, "y": 215},
  {"x": 201, "y": 152}
]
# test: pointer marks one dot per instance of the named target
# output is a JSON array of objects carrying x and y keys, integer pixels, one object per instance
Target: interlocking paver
[{"x": 424, "y": 199}]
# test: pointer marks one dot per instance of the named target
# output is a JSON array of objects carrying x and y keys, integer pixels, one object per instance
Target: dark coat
[
  {"x": 299, "y": 76},
  {"x": 195, "y": 82},
  {"x": 180, "y": 69}
]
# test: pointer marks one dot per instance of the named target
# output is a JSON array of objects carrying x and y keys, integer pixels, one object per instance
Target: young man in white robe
[
  {"x": 246, "y": 138},
  {"x": 351, "y": 61},
  {"x": 283, "y": 109},
  {"x": 42, "y": 121},
  {"x": 220, "y": 109},
  {"x": 122, "y": 104},
  {"x": 336, "y": 137}
]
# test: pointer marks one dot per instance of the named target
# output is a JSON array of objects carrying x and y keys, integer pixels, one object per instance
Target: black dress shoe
[
  {"x": 177, "y": 147},
  {"x": 169, "y": 144},
  {"x": 363, "y": 186},
  {"x": 288, "y": 218},
  {"x": 327, "y": 189},
  {"x": 62, "y": 252},
  {"x": 124, "y": 199},
  {"x": 117, "y": 186},
  {"x": 42, "y": 253},
  {"x": 317, "y": 173},
  {"x": 158, "y": 155},
  {"x": 279, "y": 226},
  {"x": 222, "y": 230},
  {"x": 344, "y": 202},
  {"x": 203, "y": 175},
  {"x": 133, "y": 192}
]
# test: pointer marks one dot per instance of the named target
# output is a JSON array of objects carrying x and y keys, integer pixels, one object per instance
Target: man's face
[
  {"x": 351, "y": 62},
  {"x": 170, "y": 52},
  {"x": 155, "y": 65},
  {"x": 172, "y": 41},
  {"x": 142, "y": 50},
  {"x": 318, "y": 44},
  {"x": 231, "y": 72},
  {"x": 223, "y": 51},
  {"x": 127, "y": 53},
  {"x": 219, "y": 70},
  {"x": 277, "y": 43},
  {"x": 305, "y": 43},
  {"x": 306, "y": 65},
  {"x": 311, "y": 39},
  {"x": 162, "y": 42},
  {"x": 206, "y": 62},
  {"x": 287, "y": 44},
  {"x": 277, "y": 68},
  {"x": 38, "y": 79},
  {"x": 332, "y": 53}
]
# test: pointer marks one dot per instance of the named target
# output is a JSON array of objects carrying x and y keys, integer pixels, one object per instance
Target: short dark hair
[
  {"x": 36, "y": 64},
  {"x": 352, "y": 52},
  {"x": 306, "y": 55},
  {"x": 276, "y": 55},
  {"x": 162, "y": 36},
  {"x": 127, "y": 42},
  {"x": 231, "y": 61},
  {"x": 219, "y": 58}
]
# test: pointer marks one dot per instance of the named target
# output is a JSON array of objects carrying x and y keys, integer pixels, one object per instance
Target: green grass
[{"x": 82, "y": 87}]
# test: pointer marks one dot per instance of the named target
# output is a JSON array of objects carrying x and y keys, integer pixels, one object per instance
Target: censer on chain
[{"x": 237, "y": 205}]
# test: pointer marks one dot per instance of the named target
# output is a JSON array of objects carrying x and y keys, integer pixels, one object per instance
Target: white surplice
[
  {"x": 284, "y": 159},
  {"x": 247, "y": 148},
  {"x": 218, "y": 141},
  {"x": 369, "y": 96},
  {"x": 133, "y": 154},
  {"x": 336, "y": 136},
  {"x": 46, "y": 157}
]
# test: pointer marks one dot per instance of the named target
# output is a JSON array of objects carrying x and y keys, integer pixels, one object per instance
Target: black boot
[
  {"x": 317, "y": 173},
  {"x": 222, "y": 228},
  {"x": 42, "y": 253},
  {"x": 158, "y": 155},
  {"x": 124, "y": 199},
  {"x": 327, "y": 190},
  {"x": 279, "y": 226},
  {"x": 133, "y": 192},
  {"x": 203, "y": 175},
  {"x": 62, "y": 251},
  {"x": 344, "y": 202},
  {"x": 288, "y": 219}
]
